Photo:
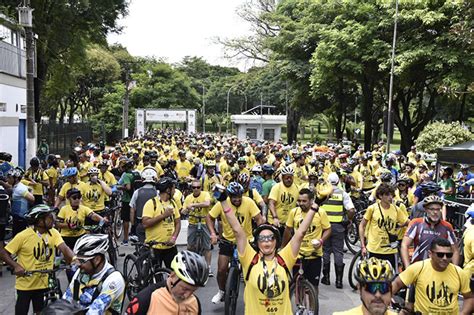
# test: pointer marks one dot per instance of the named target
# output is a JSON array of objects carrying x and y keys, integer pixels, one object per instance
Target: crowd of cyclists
[{"x": 278, "y": 207}]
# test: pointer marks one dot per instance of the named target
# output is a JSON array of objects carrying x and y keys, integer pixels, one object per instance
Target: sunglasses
[
  {"x": 75, "y": 197},
  {"x": 242, "y": 163},
  {"x": 373, "y": 287},
  {"x": 402, "y": 184},
  {"x": 441, "y": 254},
  {"x": 196, "y": 187},
  {"x": 84, "y": 260},
  {"x": 266, "y": 238}
]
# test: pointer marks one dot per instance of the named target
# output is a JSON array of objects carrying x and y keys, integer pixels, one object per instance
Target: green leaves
[{"x": 439, "y": 134}]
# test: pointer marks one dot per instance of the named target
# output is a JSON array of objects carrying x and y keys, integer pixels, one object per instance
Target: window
[
  {"x": 23, "y": 109},
  {"x": 252, "y": 133},
  {"x": 5, "y": 34},
  {"x": 269, "y": 134},
  {"x": 3, "y": 107}
]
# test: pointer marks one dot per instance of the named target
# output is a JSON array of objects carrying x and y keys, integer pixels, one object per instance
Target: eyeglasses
[
  {"x": 84, "y": 260},
  {"x": 441, "y": 254},
  {"x": 266, "y": 238},
  {"x": 75, "y": 197},
  {"x": 373, "y": 287},
  {"x": 196, "y": 187}
]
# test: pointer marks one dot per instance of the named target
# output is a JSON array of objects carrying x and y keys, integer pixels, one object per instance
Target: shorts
[
  {"x": 165, "y": 256},
  {"x": 2, "y": 232},
  {"x": 226, "y": 248},
  {"x": 125, "y": 212},
  {"x": 192, "y": 236},
  {"x": 70, "y": 241},
  {"x": 25, "y": 297},
  {"x": 311, "y": 269}
]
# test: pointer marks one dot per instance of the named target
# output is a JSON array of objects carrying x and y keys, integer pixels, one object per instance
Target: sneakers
[
  {"x": 211, "y": 274},
  {"x": 219, "y": 297},
  {"x": 125, "y": 243}
]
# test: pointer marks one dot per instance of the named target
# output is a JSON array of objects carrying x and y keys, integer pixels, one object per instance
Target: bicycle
[
  {"x": 53, "y": 291},
  {"x": 140, "y": 269},
  {"x": 113, "y": 250},
  {"x": 232, "y": 284},
  {"x": 351, "y": 237},
  {"x": 116, "y": 206},
  {"x": 198, "y": 246},
  {"x": 306, "y": 295}
]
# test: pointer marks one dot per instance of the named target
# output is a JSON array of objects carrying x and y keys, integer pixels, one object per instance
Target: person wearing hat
[
  {"x": 210, "y": 178},
  {"x": 367, "y": 171},
  {"x": 462, "y": 177},
  {"x": 35, "y": 248},
  {"x": 411, "y": 155},
  {"x": 72, "y": 181},
  {"x": 268, "y": 182},
  {"x": 340, "y": 210}
]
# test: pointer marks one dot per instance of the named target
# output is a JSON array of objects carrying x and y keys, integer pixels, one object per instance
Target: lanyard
[
  {"x": 47, "y": 253},
  {"x": 270, "y": 278}
]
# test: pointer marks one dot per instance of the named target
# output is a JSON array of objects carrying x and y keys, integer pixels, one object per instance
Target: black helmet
[
  {"x": 267, "y": 169},
  {"x": 34, "y": 162},
  {"x": 73, "y": 191},
  {"x": 235, "y": 189},
  {"x": 63, "y": 307},
  {"x": 165, "y": 183},
  {"x": 386, "y": 177},
  {"x": 430, "y": 187},
  {"x": 266, "y": 226},
  {"x": 190, "y": 267}
]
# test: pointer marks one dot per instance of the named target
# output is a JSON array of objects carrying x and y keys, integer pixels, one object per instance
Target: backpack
[{"x": 279, "y": 260}]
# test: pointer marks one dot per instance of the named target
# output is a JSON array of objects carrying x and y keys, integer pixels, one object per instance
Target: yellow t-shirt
[
  {"x": 35, "y": 252},
  {"x": 300, "y": 173},
  {"x": 359, "y": 311},
  {"x": 178, "y": 198},
  {"x": 366, "y": 172},
  {"x": 469, "y": 249},
  {"x": 377, "y": 227},
  {"x": 162, "y": 231},
  {"x": 208, "y": 183},
  {"x": 183, "y": 168},
  {"x": 37, "y": 176},
  {"x": 315, "y": 231},
  {"x": 255, "y": 297},
  {"x": 83, "y": 169},
  {"x": 436, "y": 292},
  {"x": 285, "y": 200},
  {"x": 200, "y": 211},
  {"x": 108, "y": 178},
  {"x": 257, "y": 198},
  {"x": 94, "y": 197},
  {"x": 81, "y": 186},
  {"x": 52, "y": 173},
  {"x": 77, "y": 217},
  {"x": 244, "y": 214}
]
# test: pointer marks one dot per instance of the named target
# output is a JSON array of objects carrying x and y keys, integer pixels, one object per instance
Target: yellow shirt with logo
[
  {"x": 244, "y": 213},
  {"x": 83, "y": 169},
  {"x": 81, "y": 186},
  {"x": 53, "y": 174},
  {"x": 257, "y": 198},
  {"x": 162, "y": 231},
  {"x": 38, "y": 176},
  {"x": 74, "y": 217},
  {"x": 377, "y": 227},
  {"x": 300, "y": 174},
  {"x": 94, "y": 197},
  {"x": 315, "y": 231},
  {"x": 257, "y": 286},
  {"x": 469, "y": 249},
  {"x": 436, "y": 292},
  {"x": 198, "y": 211},
  {"x": 34, "y": 251},
  {"x": 285, "y": 200},
  {"x": 209, "y": 182},
  {"x": 359, "y": 311},
  {"x": 183, "y": 168}
]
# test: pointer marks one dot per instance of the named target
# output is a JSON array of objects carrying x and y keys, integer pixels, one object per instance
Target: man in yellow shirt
[
  {"x": 246, "y": 211},
  {"x": 301, "y": 173},
  {"x": 96, "y": 191},
  {"x": 183, "y": 166},
  {"x": 84, "y": 166},
  {"x": 72, "y": 181},
  {"x": 35, "y": 178},
  {"x": 311, "y": 250},
  {"x": 437, "y": 282},
  {"x": 162, "y": 223},
  {"x": 375, "y": 291},
  {"x": 35, "y": 248}
]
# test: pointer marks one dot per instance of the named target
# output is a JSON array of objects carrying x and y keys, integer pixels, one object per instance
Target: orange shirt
[{"x": 162, "y": 303}]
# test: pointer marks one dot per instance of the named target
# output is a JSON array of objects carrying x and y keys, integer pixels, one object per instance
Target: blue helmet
[
  {"x": 268, "y": 169},
  {"x": 235, "y": 189},
  {"x": 70, "y": 171}
]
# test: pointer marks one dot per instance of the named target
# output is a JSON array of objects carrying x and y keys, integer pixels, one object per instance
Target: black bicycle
[
  {"x": 351, "y": 237},
  {"x": 53, "y": 291},
  {"x": 143, "y": 268},
  {"x": 113, "y": 250},
  {"x": 304, "y": 295},
  {"x": 232, "y": 285},
  {"x": 198, "y": 246}
]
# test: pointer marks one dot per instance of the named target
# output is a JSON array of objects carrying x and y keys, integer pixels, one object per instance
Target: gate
[{"x": 61, "y": 137}]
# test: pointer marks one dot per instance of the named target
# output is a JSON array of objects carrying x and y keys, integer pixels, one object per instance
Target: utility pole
[
  {"x": 25, "y": 18},
  {"x": 126, "y": 103},
  {"x": 203, "y": 109},
  {"x": 390, "y": 126}
]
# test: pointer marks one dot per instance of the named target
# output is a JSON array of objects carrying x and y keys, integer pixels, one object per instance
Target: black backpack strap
[
  {"x": 154, "y": 203},
  {"x": 282, "y": 263},
  {"x": 199, "y": 305},
  {"x": 251, "y": 193},
  {"x": 75, "y": 290},
  {"x": 252, "y": 263}
]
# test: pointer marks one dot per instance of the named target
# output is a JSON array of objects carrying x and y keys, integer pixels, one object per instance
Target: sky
[{"x": 174, "y": 29}]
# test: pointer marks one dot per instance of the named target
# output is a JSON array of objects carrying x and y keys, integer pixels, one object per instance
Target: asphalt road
[{"x": 330, "y": 298}]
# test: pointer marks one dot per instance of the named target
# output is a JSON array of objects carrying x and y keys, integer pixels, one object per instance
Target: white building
[
  {"x": 258, "y": 126},
  {"x": 12, "y": 90}
]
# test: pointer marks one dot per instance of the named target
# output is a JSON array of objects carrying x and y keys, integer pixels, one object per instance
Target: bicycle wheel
[
  {"x": 132, "y": 276},
  {"x": 112, "y": 251},
  {"x": 161, "y": 274},
  {"x": 305, "y": 301},
  {"x": 199, "y": 246},
  {"x": 351, "y": 238},
  {"x": 232, "y": 286},
  {"x": 352, "y": 281},
  {"x": 118, "y": 224}
]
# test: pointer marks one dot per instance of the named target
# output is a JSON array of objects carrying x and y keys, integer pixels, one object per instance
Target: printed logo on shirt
[
  {"x": 42, "y": 252},
  {"x": 441, "y": 296},
  {"x": 287, "y": 198},
  {"x": 271, "y": 290},
  {"x": 93, "y": 195}
]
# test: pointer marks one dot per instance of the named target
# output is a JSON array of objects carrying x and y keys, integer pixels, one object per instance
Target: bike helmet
[
  {"x": 235, "y": 189},
  {"x": 164, "y": 184},
  {"x": 104, "y": 162},
  {"x": 386, "y": 177},
  {"x": 243, "y": 178},
  {"x": 241, "y": 160},
  {"x": 69, "y": 172},
  {"x": 63, "y": 307},
  {"x": 268, "y": 169},
  {"x": 153, "y": 155},
  {"x": 210, "y": 155},
  {"x": 73, "y": 191},
  {"x": 430, "y": 188},
  {"x": 373, "y": 270},
  {"x": 368, "y": 155},
  {"x": 34, "y": 161},
  {"x": 313, "y": 174},
  {"x": 210, "y": 163},
  {"x": 16, "y": 172},
  {"x": 38, "y": 211},
  {"x": 191, "y": 268},
  {"x": 287, "y": 170},
  {"x": 149, "y": 175},
  {"x": 270, "y": 227},
  {"x": 464, "y": 166},
  {"x": 257, "y": 168},
  {"x": 91, "y": 245},
  {"x": 93, "y": 171},
  {"x": 403, "y": 178},
  {"x": 432, "y": 199}
]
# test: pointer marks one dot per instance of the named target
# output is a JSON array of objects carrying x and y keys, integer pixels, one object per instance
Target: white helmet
[
  {"x": 257, "y": 168},
  {"x": 91, "y": 245},
  {"x": 287, "y": 170},
  {"x": 149, "y": 175},
  {"x": 333, "y": 178}
]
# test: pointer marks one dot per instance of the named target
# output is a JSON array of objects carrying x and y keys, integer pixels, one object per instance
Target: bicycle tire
[
  {"x": 161, "y": 274},
  {"x": 232, "y": 287},
  {"x": 351, "y": 238},
  {"x": 199, "y": 247},
  {"x": 118, "y": 224},
  {"x": 352, "y": 281},
  {"x": 131, "y": 273},
  {"x": 306, "y": 289}
]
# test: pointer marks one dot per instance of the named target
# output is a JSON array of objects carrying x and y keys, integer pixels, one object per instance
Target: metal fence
[{"x": 61, "y": 137}]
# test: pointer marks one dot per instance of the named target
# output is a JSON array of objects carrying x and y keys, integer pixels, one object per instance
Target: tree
[{"x": 439, "y": 134}]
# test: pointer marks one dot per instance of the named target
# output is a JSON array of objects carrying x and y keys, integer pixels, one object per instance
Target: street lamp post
[
  {"x": 390, "y": 93},
  {"x": 203, "y": 109},
  {"x": 25, "y": 18}
]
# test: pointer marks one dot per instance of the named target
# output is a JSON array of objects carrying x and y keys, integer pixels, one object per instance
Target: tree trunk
[
  {"x": 367, "y": 105},
  {"x": 292, "y": 121},
  {"x": 462, "y": 106}
]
